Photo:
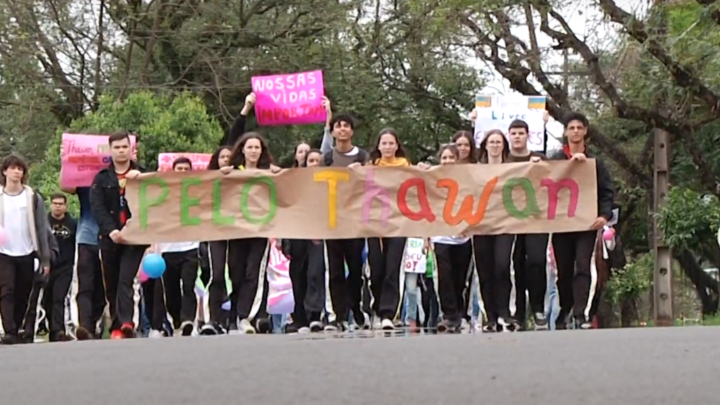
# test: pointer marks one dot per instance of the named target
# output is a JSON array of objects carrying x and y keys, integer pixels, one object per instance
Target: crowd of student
[{"x": 336, "y": 283}]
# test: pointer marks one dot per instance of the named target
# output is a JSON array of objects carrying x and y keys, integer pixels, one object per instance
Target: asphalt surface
[{"x": 632, "y": 366}]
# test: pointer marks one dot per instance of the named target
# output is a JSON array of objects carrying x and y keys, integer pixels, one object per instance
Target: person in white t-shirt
[
  {"x": 25, "y": 226},
  {"x": 181, "y": 273}
]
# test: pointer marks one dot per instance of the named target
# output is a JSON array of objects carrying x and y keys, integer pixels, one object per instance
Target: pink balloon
[
  {"x": 609, "y": 234},
  {"x": 143, "y": 276}
]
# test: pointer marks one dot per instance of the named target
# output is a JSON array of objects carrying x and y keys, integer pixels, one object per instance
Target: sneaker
[
  {"x": 387, "y": 324},
  {"x": 506, "y": 325},
  {"x": 304, "y": 330},
  {"x": 232, "y": 328},
  {"x": 8, "y": 339},
  {"x": 42, "y": 328},
  {"x": 561, "y": 322},
  {"x": 155, "y": 334},
  {"x": 490, "y": 327},
  {"x": 117, "y": 334},
  {"x": 316, "y": 326},
  {"x": 128, "y": 330},
  {"x": 541, "y": 322},
  {"x": 246, "y": 327},
  {"x": 61, "y": 336},
  {"x": 583, "y": 323},
  {"x": 293, "y": 327},
  {"x": 413, "y": 327},
  {"x": 186, "y": 328},
  {"x": 83, "y": 334},
  {"x": 210, "y": 329},
  {"x": 465, "y": 325},
  {"x": 263, "y": 325},
  {"x": 376, "y": 323},
  {"x": 335, "y": 326},
  {"x": 449, "y": 326}
]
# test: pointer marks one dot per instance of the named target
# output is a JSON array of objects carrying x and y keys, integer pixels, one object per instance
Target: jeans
[
  {"x": 411, "y": 300},
  {"x": 475, "y": 297},
  {"x": 278, "y": 323},
  {"x": 552, "y": 303}
]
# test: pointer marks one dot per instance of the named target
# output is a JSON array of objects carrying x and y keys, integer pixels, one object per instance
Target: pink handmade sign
[
  {"x": 293, "y": 99},
  {"x": 280, "y": 296},
  {"x": 82, "y": 156},
  {"x": 199, "y": 161}
]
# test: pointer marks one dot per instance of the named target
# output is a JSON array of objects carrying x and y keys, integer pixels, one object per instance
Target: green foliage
[
  {"x": 164, "y": 124},
  {"x": 632, "y": 280},
  {"x": 690, "y": 219}
]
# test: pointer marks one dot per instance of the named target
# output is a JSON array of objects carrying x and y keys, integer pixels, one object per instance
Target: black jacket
[
  {"x": 105, "y": 203},
  {"x": 605, "y": 191}
]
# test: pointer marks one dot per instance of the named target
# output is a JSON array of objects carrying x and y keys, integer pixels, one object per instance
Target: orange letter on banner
[
  {"x": 331, "y": 177},
  {"x": 465, "y": 212},
  {"x": 425, "y": 210}
]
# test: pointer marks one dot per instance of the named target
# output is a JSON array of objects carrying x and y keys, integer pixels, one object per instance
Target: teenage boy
[
  {"x": 345, "y": 294},
  {"x": 24, "y": 223},
  {"x": 529, "y": 251},
  {"x": 120, "y": 262},
  {"x": 574, "y": 250}
]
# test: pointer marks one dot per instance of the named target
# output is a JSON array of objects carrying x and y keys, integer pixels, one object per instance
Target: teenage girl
[
  {"x": 453, "y": 255},
  {"x": 307, "y": 273},
  {"x": 493, "y": 252},
  {"x": 247, "y": 258},
  {"x": 385, "y": 255},
  {"x": 217, "y": 250}
]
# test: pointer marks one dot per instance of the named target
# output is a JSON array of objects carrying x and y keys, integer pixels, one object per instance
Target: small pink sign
[
  {"x": 200, "y": 161},
  {"x": 82, "y": 156},
  {"x": 293, "y": 99}
]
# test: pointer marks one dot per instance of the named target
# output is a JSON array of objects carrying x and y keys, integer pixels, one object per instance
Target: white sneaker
[
  {"x": 246, "y": 327},
  {"x": 304, "y": 329},
  {"x": 387, "y": 324},
  {"x": 316, "y": 326},
  {"x": 156, "y": 334},
  {"x": 376, "y": 323}
]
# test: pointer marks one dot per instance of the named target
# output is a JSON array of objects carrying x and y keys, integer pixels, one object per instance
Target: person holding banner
[
  {"x": 248, "y": 258},
  {"x": 574, "y": 250},
  {"x": 453, "y": 255},
  {"x": 493, "y": 252},
  {"x": 345, "y": 293},
  {"x": 385, "y": 255},
  {"x": 217, "y": 250},
  {"x": 120, "y": 262},
  {"x": 178, "y": 280},
  {"x": 529, "y": 251}
]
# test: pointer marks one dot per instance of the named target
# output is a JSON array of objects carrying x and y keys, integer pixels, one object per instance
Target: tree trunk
[
  {"x": 706, "y": 286},
  {"x": 629, "y": 316}
]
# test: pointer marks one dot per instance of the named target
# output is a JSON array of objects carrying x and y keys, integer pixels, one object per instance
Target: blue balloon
[{"x": 154, "y": 265}]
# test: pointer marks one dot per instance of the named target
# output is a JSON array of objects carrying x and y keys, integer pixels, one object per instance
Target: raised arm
[{"x": 238, "y": 127}]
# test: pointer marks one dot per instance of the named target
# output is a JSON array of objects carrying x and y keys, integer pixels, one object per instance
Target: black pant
[
  {"x": 307, "y": 273},
  {"x": 217, "y": 252},
  {"x": 429, "y": 301},
  {"x": 530, "y": 262},
  {"x": 492, "y": 259},
  {"x": 17, "y": 275},
  {"x": 385, "y": 257},
  {"x": 573, "y": 256},
  {"x": 453, "y": 263},
  {"x": 154, "y": 300},
  {"x": 345, "y": 294},
  {"x": 90, "y": 297},
  {"x": 120, "y": 266},
  {"x": 247, "y": 265},
  {"x": 179, "y": 284},
  {"x": 54, "y": 297}
]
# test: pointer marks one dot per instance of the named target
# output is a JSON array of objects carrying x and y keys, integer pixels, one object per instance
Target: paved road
[{"x": 640, "y": 366}]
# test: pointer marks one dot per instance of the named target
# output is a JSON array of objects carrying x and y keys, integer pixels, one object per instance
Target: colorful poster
[
  {"x": 199, "y": 161},
  {"x": 280, "y": 296},
  {"x": 341, "y": 203},
  {"x": 497, "y": 112},
  {"x": 415, "y": 258},
  {"x": 82, "y": 156},
  {"x": 293, "y": 99}
]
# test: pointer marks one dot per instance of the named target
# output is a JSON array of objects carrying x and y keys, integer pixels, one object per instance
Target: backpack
[{"x": 361, "y": 157}]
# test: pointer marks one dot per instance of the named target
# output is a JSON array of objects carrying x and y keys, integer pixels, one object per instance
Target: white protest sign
[
  {"x": 415, "y": 259},
  {"x": 497, "y": 112}
]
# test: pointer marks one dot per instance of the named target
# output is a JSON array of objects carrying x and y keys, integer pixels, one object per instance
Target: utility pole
[{"x": 662, "y": 274}]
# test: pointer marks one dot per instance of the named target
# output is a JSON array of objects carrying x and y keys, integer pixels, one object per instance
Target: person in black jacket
[
  {"x": 120, "y": 261},
  {"x": 573, "y": 250}
]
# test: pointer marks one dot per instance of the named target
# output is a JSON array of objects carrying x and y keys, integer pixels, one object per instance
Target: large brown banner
[{"x": 338, "y": 203}]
